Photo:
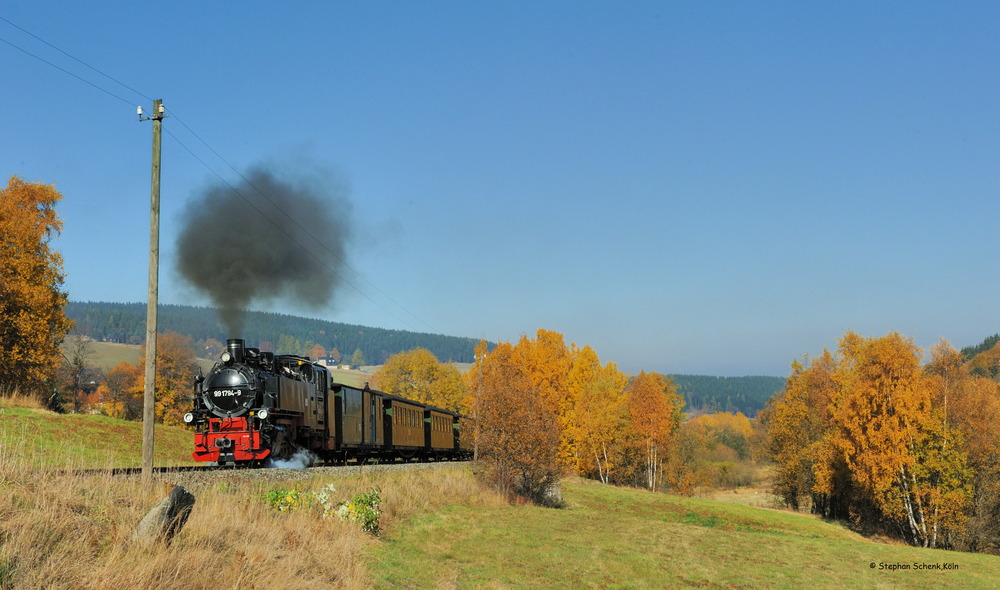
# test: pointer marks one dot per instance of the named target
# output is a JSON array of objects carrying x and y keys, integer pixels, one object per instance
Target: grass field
[
  {"x": 44, "y": 439},
  {"x": 442, "y": 529},
  {"x": 108, "y": 355},
  {"x": 622, "y": 538}
]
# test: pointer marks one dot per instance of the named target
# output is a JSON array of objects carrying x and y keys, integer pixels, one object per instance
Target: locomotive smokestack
[
  {"x": 235, "y": 348},
  {"x": 266, "y": 239}
]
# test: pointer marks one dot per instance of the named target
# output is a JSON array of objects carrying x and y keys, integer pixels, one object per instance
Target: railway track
[{"x": 188, "y": 473}]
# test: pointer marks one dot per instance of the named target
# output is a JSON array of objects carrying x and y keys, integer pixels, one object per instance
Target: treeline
[
  {"x": 874, "y": 435},
  {"x": 126, "y": 322},
  {"x": 747, "y": 395}
]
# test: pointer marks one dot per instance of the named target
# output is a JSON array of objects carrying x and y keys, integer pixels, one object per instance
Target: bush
[{"x": 364, "y": 508}]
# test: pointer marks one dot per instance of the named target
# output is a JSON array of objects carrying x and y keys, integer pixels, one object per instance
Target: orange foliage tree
[
  {"x": 880, "y": 409},
  {"x": 547, "y": 361},
  {"x": 796, "y": 422},
  {"x": 417, "y": 375},
  {"x": 317, "y": 352},
  {"x": 175, "y": 371},
  {"x": 654, "y": 407},
  {"x": 120, "y": 394},
  {"x": 32, "y": 321},
  {"x": 517, "y": 434}
]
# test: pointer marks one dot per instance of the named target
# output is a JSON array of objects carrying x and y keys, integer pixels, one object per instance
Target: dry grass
[
  {"x": 14, "y": 398},
  {"x": 66, "y": 531}
]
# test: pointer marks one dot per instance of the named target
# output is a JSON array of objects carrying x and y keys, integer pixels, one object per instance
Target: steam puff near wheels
[
  {"x": 255, "y": 406},
  {"x": 302, "y": 459}
]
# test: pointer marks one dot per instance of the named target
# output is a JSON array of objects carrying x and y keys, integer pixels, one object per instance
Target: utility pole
[{"x": 149, "y": 390}]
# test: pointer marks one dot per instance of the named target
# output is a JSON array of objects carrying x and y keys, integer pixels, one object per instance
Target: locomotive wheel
[{"x": 283, "y": 448}]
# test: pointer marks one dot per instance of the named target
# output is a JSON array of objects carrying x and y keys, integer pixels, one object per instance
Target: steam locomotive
[{"x": 253, "y": 406}]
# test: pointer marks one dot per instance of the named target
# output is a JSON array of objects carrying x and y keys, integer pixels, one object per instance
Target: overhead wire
[
  {"x": 65, "y": 71},
  {"x": 216, "y": 173},
  {"x": 74, "y": 58}
]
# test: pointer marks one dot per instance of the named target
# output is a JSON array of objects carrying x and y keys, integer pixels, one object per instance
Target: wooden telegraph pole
[{"x": 154, "y": 272}]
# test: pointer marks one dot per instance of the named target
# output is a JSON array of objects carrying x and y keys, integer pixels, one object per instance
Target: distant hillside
[
  {"x": 727, "y": 394},
  {"x": 126, "y": 323},
  {"x": 987, "y": 344}
]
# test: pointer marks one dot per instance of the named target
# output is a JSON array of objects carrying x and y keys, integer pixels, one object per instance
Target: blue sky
[{"x": 699, "y": 187}]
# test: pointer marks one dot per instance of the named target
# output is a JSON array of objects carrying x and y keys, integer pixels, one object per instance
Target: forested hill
[
  {"x": 987, "y": 344},
  {"x": 727, "y": 394},
  {"x": 126, "y": 322}
]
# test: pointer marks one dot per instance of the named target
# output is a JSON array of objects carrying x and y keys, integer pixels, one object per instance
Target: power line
[
  {"x": 65, "y": 71},
  {"x": 74, "y": 58},
  {"x": 231, "y": 167}
]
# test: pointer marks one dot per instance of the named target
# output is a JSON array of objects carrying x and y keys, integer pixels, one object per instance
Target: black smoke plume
[{"x": 266, "y": 240}]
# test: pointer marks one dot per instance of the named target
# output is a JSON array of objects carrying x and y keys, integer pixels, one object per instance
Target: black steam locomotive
[{"x": 253, "y": 406}]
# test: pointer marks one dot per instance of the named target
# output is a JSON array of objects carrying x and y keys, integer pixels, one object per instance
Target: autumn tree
[
  {"x": 593, "y": 426},
  {"x": 874, "y": 435},
  {"x": 175, "y": 371},
  {"x": 417, "y": 375},
  {"x": 517, "y": 435},
  {"x": 317, "y": 352},
  {"x": 32, "y": 321},
  {"x": 600, "y": 426},
  {"x": 796, "y": 422},
  {"x": 968, "y": 402},
  {"x": 120, "y": 394},
  {"x": 881, "y": 409},
  {"x": 547, "y": 361},
  {"x": 654, "y": 408}
]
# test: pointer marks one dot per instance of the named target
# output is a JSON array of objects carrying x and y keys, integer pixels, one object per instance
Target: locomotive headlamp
[
  {"x": 262, "y": 414},
  {"x": 188, "y": 418},
  {"x": 226, "y": 357}
]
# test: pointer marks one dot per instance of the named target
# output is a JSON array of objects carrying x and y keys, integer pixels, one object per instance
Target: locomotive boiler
[{"x": 253, "y": 406}]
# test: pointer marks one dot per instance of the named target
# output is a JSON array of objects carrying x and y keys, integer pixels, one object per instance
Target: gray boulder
[{"x": 167, "y": 518}]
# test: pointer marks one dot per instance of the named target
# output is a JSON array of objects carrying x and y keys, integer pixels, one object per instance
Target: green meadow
[{"x": 609, "y": 537}]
